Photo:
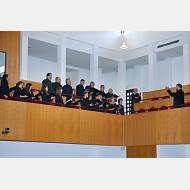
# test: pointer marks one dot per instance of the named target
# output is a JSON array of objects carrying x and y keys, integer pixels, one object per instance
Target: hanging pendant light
[{"x": 123, "y": 46}]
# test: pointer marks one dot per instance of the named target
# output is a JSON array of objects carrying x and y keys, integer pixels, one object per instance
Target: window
[
  {"x": 2, "y": 63},
  {"x": 128, "y": 103}
]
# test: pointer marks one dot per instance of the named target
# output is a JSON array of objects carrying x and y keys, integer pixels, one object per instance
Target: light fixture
[{"x": 123, "y": 46}]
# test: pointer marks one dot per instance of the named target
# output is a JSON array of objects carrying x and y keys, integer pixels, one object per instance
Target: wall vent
[{"x": 167, "y": 44}]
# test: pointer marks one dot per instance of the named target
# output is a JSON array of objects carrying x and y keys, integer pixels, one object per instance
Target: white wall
[
  {"x": 110, "y": 81},
  {"x": 74, "y": 77},
  {"x": 16, "y": 149}
]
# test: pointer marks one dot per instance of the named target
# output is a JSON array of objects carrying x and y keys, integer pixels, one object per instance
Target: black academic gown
[
  {"x": 58, "y": 99},
  {"x": 121, "y": 110},
  {"x": 134, "y": 100},
  {"x": 47, "y": 82},
  {"x": 27, "y": 93},
  {"x": 68, "y": 98},
  {"x": 110, "y": 106},
  {"x": 45, "y": 98},
  {"x": 99, "y": 106},
  {"x": 4, "y": 89},
  {"x": 84, "y": 103},
  {"x": 178, "y": 97},
  {"x": 94, "y": 90},
  {"x": 103, "y": 94},
  {"x": 66, "y": 89},
  {"x": 18, "y": 92},
  {"x": 55, "y": 85},
  {"x": 79, "y": 90}
]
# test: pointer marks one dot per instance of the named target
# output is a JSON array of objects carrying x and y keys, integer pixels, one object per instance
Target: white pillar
[
  {"x": 137, "y": 77},
  {"x": 24, "y": 58},
  {"x": 186, "y": 66},
  {"x": 94, "y": 69},
  {"x": 168, "y": 67},
  {"x": 121, "y": 81},
  {"x": 61, "y": 63},
  {"x": 152, "y": 58},
  {"x": 99, "y": 77}
]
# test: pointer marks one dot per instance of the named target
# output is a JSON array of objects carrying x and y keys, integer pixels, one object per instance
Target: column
[
  {"x": 99, "y": 77},
  {"x": 137, "y": 77},
  {"x": 61, "y": 63},
  {"x": 186, "y": 66},
  {"x": 168, "y": 64},
  {"x": 152, "y": 58},
  {"x": 121, "y": 81},
  {"x": 24, "y": 58},
  {"x": 94, "y": 69}
]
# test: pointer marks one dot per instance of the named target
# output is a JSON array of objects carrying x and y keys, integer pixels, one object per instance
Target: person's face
[
  {"x": 92, "y": 84},
  {"x": 46, "y": 88},
  {"x": 61, "y": 91},
  {"x": 90, "y": 98},
  {"x": 30, "y": 88},
  {"x": 58, "y": 80},
  {"x": 82, "y": 82},
  {"x": 86, "y": 95},
  {"x": 69, "y": 82},
  {"x": 73, "y": 92},
  {"x": 110, "y": 91},
  {"x": 102, "y": 89},
  {"x": 135, "y": 90},
  {"x": 113, "y": 100},
  {"x": 121, "y": 101},
  {"x": 20, "y": 85},
  {"x": 177, "y": 88},
  {"x": 50, "y": 76},
  {"x": 8, "y": 79}
]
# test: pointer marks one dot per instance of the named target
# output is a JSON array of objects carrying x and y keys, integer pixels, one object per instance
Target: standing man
[
  {"x": 67, "y": 87},
  {"x": 56, "y": 84},
  {"x": 80, "y": 88},
  {"x": 101, "y": 92},
  {"x": 47, "y": 81},
  {"x": 135, "y": 98},
  {"x": 91, "y": 90},
  {"x": 178, "y": 95}
]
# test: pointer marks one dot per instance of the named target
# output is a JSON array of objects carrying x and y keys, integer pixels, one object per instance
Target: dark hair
[
  {"x": 56, "y": 78},
  {"x": 58, "y": 91},
  {"x": 27, "y": 87},
  {"x": 85, "y": 92},
  {"x": 4, "y": 78},
  {"x": 71, "y": 92},
  {"x": 48, "y": 74},
  {"x": 43, "y": 88},
  {"x": 101, "y": 86},
  {"x": 90, "y": 95},
  {"x": 119, "y": 100},
  {"x": 82, "y": 80},
  {"x": 18, "y": 83},
  {"x": 180, "y": 86},
  {"x": 67, "y": 80}
]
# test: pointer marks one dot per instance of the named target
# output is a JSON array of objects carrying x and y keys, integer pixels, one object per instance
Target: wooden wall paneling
[
  {"x": 129, "y": 129},
  {"x": 10, "y": 43},
  {"x": 185, "y": 125},
  {"x": 168, "y": 126},
  {"x": 145, "y": 129},
  {"x": 91, "y": 129},
  {"x": 142, "y": 151},
  {"x": 13, "y": 116},
  {"x": 149, "y": 104},
  {"x": 187, "y": 98}
]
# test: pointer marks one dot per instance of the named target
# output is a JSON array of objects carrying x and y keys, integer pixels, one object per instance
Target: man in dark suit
[
  {"x": 80, "y": 88},
  {"x": 91, "y": 90},
  {"x": 67, "y": 87},
  {"x": 101, "y": 92},
  {"x": 47, "y": 81},
  {"x": 178, "y": 95},
  {"x": 135, "y": 98},
  {"x": 56, "y": 84}
]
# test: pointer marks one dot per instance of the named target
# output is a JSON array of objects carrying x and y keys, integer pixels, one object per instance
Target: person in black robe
[
  {"x": 67, "y": 87},
  {"x": 84, "y": 101},
  {"x": 47, "y": 81},
  {"x": 58, "y": 97},
  {"x": 91, "y": 90},
  {"x": 91, "y": 102},
  {"x": 111, "y": 94},
  {"x": 135, "y": 98},
  {"x": 99, "y": 104},
  {"x": 80, "y": 88},
  {"x": 19, "y": 91},
  {"x": 112, "y": 106},
  {"x": 70, "y": 100},
  {"x": 56, "y": 84},
  {"x": 178, "y": 95},
  {"x": 4, "y": 89},
  {"x": 45, "y": 96},
  {"x": 120, "y": 106},
  {"x": 101, "y": 92}
]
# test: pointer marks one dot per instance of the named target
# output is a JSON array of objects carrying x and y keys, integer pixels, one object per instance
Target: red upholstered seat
[
  {"x": 163, "y": 108},
  {"x": 141, "y": 111},
  {"x": 165, "y": 97},
  {"x": 154, "y": 99},
  {"x": 51, "y": 103},
  {"x": 187, "y": 104},
  {"x": 152, "y": 109},
  {"x": 37, "y": 101}
]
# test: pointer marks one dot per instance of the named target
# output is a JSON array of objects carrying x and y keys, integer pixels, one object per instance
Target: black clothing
[
  {"x": 55, "y": 85},
  {"x": 94, "y": 90},
  {"x": 91, "y": 102},
  {"x": 18, "y": 92},
  {"x": 178, "y": 97},
  {"x": 47, "y": 82},
  {"x": 134, "y": 100},
  {"x": 79, "y": 90},
  {"x": 45, "y": 98},
  {"x": 70, "y": 102},
  {"x": 66, "y": 89},
  {"x": 110, "y": 106},
  {"x": 108, "y": 95},
  {"x": 84, "y": 103},
  {"x": 58, "y": 99},
  {"x": 4, "y": 89},
  {"x": 121, "y": 110},
  {"x": 99, "y": 106},
  {"x": 103, "y": 94},
  {"x": 29, "y": 94}
]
